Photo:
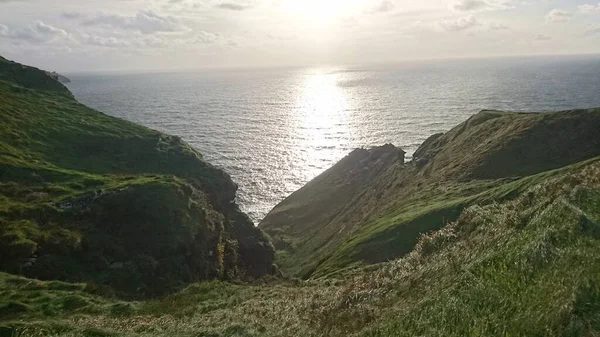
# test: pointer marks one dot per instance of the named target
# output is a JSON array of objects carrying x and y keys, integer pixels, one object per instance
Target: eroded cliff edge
[
  {"x": 88, "y": 197},
  {"x": 372, "y": 207}
]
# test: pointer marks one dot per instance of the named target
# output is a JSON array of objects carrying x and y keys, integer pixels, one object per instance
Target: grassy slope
[
  {"x": 78, "y": 187},
  {"x": 472, "y": 163},
  {"x": 525, "y": 267}
]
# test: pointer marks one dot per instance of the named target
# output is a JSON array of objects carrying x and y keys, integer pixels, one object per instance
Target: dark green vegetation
[
  {"x": 88, "y": 197},
  {"x": 371, "y": 207},
  {"x": 492, "y": 230}
]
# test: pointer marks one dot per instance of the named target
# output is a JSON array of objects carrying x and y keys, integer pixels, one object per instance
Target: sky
[{"x": 101, "y": 35}]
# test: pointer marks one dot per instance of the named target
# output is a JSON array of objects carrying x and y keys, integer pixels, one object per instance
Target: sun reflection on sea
[{"x": 322, "y": 119}]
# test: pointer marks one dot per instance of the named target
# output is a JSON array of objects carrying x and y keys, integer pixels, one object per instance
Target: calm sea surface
[{"x": 274, "y": 130}]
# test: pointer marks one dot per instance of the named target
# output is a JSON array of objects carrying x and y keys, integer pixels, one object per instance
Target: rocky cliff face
[
  {"x": 88, "y": 197},
  {"x": 371, "y": 207}
]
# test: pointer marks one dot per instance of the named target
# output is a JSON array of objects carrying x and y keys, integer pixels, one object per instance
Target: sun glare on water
[{"x": 322, "y": 120}]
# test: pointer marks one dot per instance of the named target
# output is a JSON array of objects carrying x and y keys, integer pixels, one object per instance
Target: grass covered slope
[
  {"x": 88, "y": 197},
  {"x": 529, "y": 266},
  {"x": 381, "y": 215}
]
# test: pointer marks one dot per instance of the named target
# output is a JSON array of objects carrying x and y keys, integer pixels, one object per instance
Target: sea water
[{"x": 274, "y": 130}]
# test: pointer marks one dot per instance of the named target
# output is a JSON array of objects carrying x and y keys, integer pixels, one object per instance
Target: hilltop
[
  {"x": 372, "y": 207},
  {"x": 88, "y": 197}
]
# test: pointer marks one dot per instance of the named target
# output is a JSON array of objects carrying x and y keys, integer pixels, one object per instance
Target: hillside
[
  {"x": 380, "y": 207},
  {"x": 525, "y": 267},
  {"x": 112, "y": 229},
  {"x": 88, "y": 197}
]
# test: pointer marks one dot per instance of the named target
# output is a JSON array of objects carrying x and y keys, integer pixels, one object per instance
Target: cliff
[
  {"x": 525, "y": 265},
  {"x": 370, "y": 209},
  {"x": 88, "y": 197},
  {"x": 58, "y": 77}
]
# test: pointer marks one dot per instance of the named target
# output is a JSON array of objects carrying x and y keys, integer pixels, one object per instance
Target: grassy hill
[
  {"x": 369, "y": 211},
  {"x": 88, "y": 197},
  {"x": 529, "y": 266}
]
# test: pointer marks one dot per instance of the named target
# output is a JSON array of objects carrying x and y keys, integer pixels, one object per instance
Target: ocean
[{"x": 274, "y": 130}]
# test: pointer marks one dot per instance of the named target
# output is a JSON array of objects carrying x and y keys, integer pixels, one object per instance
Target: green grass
[
  {"x": 363, "y": 212},
  {"x": 397, "y": 234},
  {"x": 526, "y": 266},
  {"x": 82, "y": 192}
]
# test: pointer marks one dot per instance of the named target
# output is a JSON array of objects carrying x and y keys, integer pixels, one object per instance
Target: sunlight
[
  {"x": 322, "y": 119},
  {"x": 322, "y": 13}
]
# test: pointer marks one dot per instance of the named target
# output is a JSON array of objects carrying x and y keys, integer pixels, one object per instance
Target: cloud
[
  {"x": 383, "y": 6},
  {"x": 557, "y": 16},
  {"x": 100, "y": 41},
  {"x": 593, "y": 30},
  {"x": 232, "y": 6},
  {"x": 479, "y": 5},
  {"x": 498, "y": 26},
  {"x": 71, "y": 15},
  {"x": 588, "y": 9},
  {"x": 542, "y": 37},
  {"x": 469, "y": 5},
  {"x": 38, "y": 32},
  {"x": 282, "y": 37},
  {"x": 459, "y": 24},
  {"x": 146, "y": 22},
  {"x": 204, "y": 38},
  {"x": 141, "y": 41}
]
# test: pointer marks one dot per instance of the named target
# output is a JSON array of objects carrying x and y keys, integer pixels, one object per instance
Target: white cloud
[
  {"x": 204, "y": 37},
  {"x": 479, "y": 5},
  {"x": 71, "y": 15},
  {"x": 459, "y": 24},
  {"x": 233, "y": 6},
  {"x": 587, "y": 8},
  {"x": 148, "y": 33},
  {"x": 140, "y": 41},
  {"x": 542, "y": 37},
  {"x": 146, "y": 22},
  {"x": 382, "y": 7},
  {"x": 498, "y": 26},
  {"x": 38, "y": 32},
  {"x": 593, "y": 30},
  {"x": 111, "y": 42},
  {"x": 557, "y": 15}
]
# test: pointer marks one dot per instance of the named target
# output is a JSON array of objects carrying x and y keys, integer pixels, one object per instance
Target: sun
[{"x": 322, "y": 13}]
